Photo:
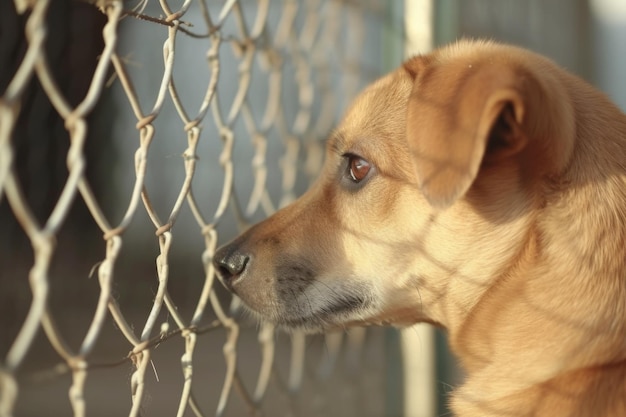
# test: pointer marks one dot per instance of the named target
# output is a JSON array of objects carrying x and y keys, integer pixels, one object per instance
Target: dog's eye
[{"x": 359, "y": 168}]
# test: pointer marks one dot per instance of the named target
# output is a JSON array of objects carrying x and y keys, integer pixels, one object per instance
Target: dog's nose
[{"x": 230, "y": 263}]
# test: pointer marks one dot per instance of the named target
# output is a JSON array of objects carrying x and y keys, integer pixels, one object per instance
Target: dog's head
[{"x": 427, "y": 195}]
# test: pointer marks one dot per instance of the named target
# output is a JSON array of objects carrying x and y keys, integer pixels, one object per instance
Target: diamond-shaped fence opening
[{"x": 135, "y": 137}]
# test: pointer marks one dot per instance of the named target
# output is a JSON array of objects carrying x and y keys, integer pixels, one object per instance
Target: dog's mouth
[
  {"x": 330, "y": 315},
  {"x": 317, "y": 313}
]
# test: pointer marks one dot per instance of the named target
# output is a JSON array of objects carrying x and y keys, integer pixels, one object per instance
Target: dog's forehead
[{"x": 378, "y": 113}]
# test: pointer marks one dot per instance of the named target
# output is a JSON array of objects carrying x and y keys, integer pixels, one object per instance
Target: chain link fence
[{"x": 135, "y": 137}]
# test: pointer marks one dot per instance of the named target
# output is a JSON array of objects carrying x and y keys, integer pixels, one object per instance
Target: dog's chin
[{"x": 337, "y": 315}]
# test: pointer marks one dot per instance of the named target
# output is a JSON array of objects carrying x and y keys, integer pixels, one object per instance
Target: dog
[{"x": 480, "y": 188}]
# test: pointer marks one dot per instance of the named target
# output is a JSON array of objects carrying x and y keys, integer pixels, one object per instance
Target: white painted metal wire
[{"x": 165, "y": 158}]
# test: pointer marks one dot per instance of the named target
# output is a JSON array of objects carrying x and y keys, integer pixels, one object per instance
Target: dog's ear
[{"x": 462, "y": 116}]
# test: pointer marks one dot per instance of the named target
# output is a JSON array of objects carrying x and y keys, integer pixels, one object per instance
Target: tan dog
[{"x": 480, "y": 188}]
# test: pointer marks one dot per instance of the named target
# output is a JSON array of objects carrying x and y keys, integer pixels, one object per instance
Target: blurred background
[{"x": 284, "y": 71}]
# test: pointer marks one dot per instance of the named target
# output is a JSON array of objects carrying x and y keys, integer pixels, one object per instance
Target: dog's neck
[
  {"x": 590, "y": 392},
  {"x": 540, "y": 342}
]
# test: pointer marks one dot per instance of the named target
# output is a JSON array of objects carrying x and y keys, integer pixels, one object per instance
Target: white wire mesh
[{"x": 252, "y": 87}]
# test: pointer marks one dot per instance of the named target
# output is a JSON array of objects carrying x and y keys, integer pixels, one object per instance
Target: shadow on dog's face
[{"x": 423, "y": 199}]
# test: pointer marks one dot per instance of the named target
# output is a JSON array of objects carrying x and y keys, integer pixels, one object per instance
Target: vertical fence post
[
  {"x": 418, "y": 342},
  {"x": 392, "y": 54}
]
